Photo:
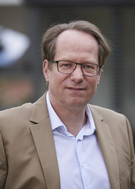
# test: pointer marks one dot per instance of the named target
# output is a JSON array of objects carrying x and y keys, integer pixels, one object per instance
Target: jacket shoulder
[
  {"x": 19, "y": 117},
  {"x": 115, "y": 120},
  {"x": 15, "y": 116},
  {"x": 107, "y": 113},
  {"x": 19, "y": 110}
]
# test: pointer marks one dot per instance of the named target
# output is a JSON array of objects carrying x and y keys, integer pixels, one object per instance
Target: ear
[
  {"x": 99, "y": 77},
  {"x": 46, "y": 70}
]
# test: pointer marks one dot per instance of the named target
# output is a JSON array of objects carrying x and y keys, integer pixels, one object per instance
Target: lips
[{"x": 76, "y": 89}]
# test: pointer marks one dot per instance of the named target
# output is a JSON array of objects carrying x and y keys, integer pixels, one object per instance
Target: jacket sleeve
[
  {"x": 3, "y": 164},
  {"x": 132, "y": 156}
]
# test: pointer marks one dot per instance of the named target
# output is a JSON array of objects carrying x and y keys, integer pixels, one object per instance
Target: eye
[
  {"x": 88, "y": 66},
  {"x": 66, "y": 65}
]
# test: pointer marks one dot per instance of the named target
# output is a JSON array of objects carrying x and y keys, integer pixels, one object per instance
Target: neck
[{"x": 73, "y": 118}]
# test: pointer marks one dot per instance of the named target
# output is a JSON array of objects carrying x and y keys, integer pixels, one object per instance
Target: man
[{"x": 60, "y": 141}]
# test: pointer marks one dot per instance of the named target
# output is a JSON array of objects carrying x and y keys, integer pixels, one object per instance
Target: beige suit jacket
[{"x": 27, "y": 151}]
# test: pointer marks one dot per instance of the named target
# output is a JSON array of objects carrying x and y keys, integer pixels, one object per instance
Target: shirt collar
[
  {"x": 55, "y": 120},
  {"x": 56, "y": 123}
]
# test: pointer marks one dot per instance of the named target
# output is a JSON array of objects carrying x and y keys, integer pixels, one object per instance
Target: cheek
[
  {"x": 55, "y": 83},
  {"x": 93, "y": 83}
]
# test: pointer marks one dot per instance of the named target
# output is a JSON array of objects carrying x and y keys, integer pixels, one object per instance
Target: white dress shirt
[{"x": 80, "y": 161}]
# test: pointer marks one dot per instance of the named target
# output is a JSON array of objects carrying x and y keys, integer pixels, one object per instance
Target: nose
[{"x": 77, "y": 74}]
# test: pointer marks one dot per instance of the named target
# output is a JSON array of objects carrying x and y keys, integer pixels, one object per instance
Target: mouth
[{"x": 76, "y": 89}]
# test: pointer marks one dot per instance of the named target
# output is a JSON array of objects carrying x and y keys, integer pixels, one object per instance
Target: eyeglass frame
[{"x": 57, "y": 62}]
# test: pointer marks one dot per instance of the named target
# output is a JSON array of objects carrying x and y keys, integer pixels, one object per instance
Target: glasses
[{"x": 68, "y": 67}]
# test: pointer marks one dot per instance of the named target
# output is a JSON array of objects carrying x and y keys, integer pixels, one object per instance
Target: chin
[{"x": 77, "y": 103}]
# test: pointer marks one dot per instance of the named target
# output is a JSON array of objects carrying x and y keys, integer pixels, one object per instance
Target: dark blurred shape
[
  {"x": 1, "y": 47},
  {"x": 80, "y": 2}
]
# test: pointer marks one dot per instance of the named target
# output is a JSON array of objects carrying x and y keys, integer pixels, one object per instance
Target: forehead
[
  {"x": 72, "y": 44},
  {"x": 72, "y": 37}
]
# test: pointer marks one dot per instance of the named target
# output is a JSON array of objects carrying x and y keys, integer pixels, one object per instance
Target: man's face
[{"x": 72, "y": 90}]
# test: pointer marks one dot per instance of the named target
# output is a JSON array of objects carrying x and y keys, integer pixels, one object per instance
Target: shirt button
[{"x": 82, "y": 165}]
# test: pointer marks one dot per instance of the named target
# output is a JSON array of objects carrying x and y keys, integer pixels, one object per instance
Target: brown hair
[{"x": 50, "y": 38}]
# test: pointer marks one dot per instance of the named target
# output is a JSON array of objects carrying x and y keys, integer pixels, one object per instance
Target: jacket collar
[
  {"x": 44, "y": 143},
  {"x": 107, "y": 146}
]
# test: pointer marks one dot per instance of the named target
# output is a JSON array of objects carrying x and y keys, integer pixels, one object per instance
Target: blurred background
[{"x": 22, "y": 24}]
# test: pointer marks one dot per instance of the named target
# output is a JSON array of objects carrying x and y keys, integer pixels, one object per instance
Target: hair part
[{"x": 50, "y": 37}]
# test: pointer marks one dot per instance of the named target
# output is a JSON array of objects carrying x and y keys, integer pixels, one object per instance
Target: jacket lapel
[
  {"x": 43, "y": 139},
  {"x": 107, "y": 147}
]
